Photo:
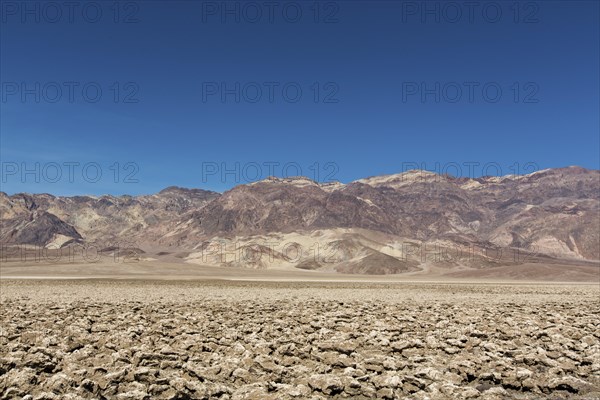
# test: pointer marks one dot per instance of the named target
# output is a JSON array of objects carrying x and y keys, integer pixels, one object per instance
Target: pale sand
[{"x": 159, "y": 270}]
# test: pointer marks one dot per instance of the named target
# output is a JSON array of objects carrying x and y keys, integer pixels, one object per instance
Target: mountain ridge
[
  {"x": 423, "y": 172},
  {"x": 550, "y": 214}
]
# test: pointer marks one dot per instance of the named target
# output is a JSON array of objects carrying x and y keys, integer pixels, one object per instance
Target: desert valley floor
[{"x": 266, "y": 337}]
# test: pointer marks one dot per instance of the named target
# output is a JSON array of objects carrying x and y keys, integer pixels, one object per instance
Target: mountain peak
[
  {"x": 182, "y": 190},
  {"x": 400, "y": 179},
  {"x": 299, "y": 181},
  {"x": 173, "y": 189}
]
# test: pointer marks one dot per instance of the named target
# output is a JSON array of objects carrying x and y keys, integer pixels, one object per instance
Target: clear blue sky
[{"x": 369, "y": 60}]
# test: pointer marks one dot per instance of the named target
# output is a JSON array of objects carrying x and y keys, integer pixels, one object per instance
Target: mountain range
[{"x": 400, "y": 223}]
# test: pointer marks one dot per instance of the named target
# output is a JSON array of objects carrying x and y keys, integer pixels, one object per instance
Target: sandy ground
[
  {"x": 194, "y": 339},
  {"x": 182, "y": 271}
]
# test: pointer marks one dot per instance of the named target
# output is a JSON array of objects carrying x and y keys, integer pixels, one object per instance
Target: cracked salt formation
[{"x": 228, "y": 340}]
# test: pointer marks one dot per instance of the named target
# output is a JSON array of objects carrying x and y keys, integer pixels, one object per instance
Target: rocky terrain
[
  {"x": 390, "y": 224},
  {"x": 226, "y": 340},
  {"x": 55, "y": 222}
]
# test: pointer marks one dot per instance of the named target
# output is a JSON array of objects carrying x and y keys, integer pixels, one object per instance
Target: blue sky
[{"x": 384, "y": 85}]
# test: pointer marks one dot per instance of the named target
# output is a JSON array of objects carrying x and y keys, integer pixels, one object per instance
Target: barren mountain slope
[
  {"x": 37, "y": 219},
  {"x": 401, "y": 223}
]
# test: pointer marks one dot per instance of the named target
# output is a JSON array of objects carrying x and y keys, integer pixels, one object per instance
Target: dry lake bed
[{"x": 148, "y": 339}]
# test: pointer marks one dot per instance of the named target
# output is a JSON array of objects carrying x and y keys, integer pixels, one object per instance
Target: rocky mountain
[
  {"x": 40, "y": 219},
  {"x": 398, "y": 223}
]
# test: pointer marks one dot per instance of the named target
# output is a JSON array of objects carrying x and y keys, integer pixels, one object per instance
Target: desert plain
[{"x": 93, "y": 332}]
